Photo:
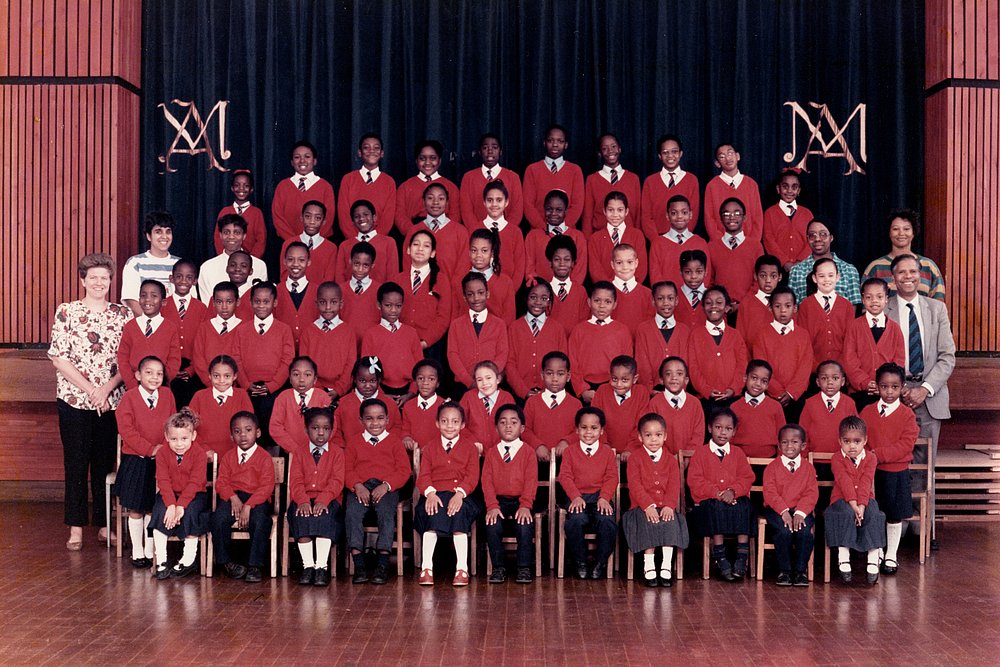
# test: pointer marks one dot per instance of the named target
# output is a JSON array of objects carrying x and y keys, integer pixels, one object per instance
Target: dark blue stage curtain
[{"x": 707, "y": 70}]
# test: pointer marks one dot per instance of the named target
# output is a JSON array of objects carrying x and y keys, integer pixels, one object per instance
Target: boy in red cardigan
[
  {"x": 188, "y": 314},
  {"x": 589, "y": 476},
  {"x": 322, "y": 251},
  {"x": 291, "y": 193},
  {"x": 409, "y": 195},
  {"x": 536, "y": 260},
  {"x": 635, "y": 301},
  {"x": 531, "y": 338},
  {"x": 396, "y": 344},
  {"x": 315, "y": 488},
  {"x": 665, "y": 250},
  {"x": 473, "y": 209},
  {"x": 244, "y": 486},
  {"x": 871, "y": 341},
  {"x": 475, "y": 335},
  {"x": 618, "y": 230},
  {"x": 369, "y": 182},
  {"x": 330, "y": 342},
  {"x": 510, "y": 482},
  {"x": 611, "y": 176},
  {"x": 287, "y": 428},
  {"x": 554, "y": 172},
  {"x": 789, "y": 351},
  {"x": 785, "y": 222},
  {"x": 594, "y": 343},
  {"x": 732, "y": 183},
  {"x": 360, "y": 292},
  {"x": 760, "y": 416},
  {"x": 669, "y": 182},
  {"x": 660, "y": 336},
  {"x": 716, "y": 351},
  {"x": 296, "y": 304},
  {"x": 694, "y": 269},
  {"x": 755, "y": 312},
  {"x": 892, "y": 434},
  {"x": 569, "y": 307},
  {"x": 623, "y": 401},
  {"x": 364, "y": 219},
  {"x": 450, "y": 237},
  {"x": 550, "y": 413},
  {"x": 217, "y": 335},
  {"x": 683, "y": 413},
  {"x": 824, "y": 411},
  {"x": 150, "y": 334},
  {"x": 790, "y": 495},
  {"x": 733, "y": 253}
]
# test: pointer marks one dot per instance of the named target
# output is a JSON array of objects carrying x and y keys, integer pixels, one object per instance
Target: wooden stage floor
[{"x": 88, "y": 607}]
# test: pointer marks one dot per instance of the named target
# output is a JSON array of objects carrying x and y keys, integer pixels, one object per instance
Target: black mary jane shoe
[
  {"x": 307, "y": 577},
  {"x": 650, "y": 582},
  {"x": 322, "y": 577},
  {"x": 740, "y": 568},
  {"x": 871, "y": 578},
  {"x": 889, "y": 569},
  {"x": 142, "y": 563},
  {"x": 179, "y": 571},
  {"x": 162, "y": 573},
  {"x": 667, "y": 581},
  {"x": 846, "y": 577}
]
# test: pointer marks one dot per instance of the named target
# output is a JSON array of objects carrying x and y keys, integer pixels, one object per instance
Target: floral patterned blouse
[{"x": 89, "y": 341}]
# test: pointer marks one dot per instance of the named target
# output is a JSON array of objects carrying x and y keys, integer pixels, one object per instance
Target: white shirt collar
[
  {"x": 654, "y": 456},
  {"x": 493, "y": 397},
  {"x": 777, "y": 326},
  {"x": 322, "y": 448},
  {"x": 593, "y": 448},
  {"x": 242, "y": 208},
  {"x": 311, "y": 179},
  {"x": 370, "y": 235},
  {"x": 442, "y": 220},
  {"x": 488, "y": 272},
  {"x": 308, "y": 392},
  {"x": 739, "y": 236},
  {"x": 788, "y": 207},
  {"x": 177, "y": 299},
  {"x": 729, "y": 180},
  {"x": 334, "y": 323},
  {"x": 681, "y": 398},
  {"x": 559, "y": 162},
  {"x": 216, "y": 394},
  {"x": 250, "y": 451},
  {"x": 146, "y": 395},
  {"x": 673, "y": 235},
  {"x": 550, "y": 230},
  {"x": 621, "y": 231},
  {"x": 424, "y": 270},
  {"x": 482, "y": 316},
  {"x": 787, "y": 461},
  {"x": 453, "y": 441},
  {"x": 716, "y": 448},
  {"x": 385, "y": 324},
  {"x": 515, "y": 447},
  {"x": 711, "y": 328},
  {"x": 835, "y": 398},
  {"x": 688, "y": 292},
  {"x": 607, "y": 320},
  {"x": 494, "y": 171},
  {"x": 763, "y": 297},
  {"x": 605, "y": 172},
  {"x": 231, "y": 323},
  {"x": 678, "y": 175},
  {"x": 430, "y": 401},
  {"x": 368, "y": 436},
  {"x": 541, "y": 319},
  {"x": 622, "y": 284},
  {"x": 861, "y": 457},
  {"x": 556, "y": 282},
  {"x": 434, "y": 177},
  {"x": 500, "y": 222},
  {"x": 747, "y": 398},
  {"x": 671, "y": 321},
  {"x": 364, "y": 171},
  {"x": 366, "y": 282},
  {"x": 875, "y": 321},
  {"x": 618, "y": 399},
  {"x": 155, "y": 321},
  {"x": 362, "y": 398},
  {"x": 822, "y": 301},
  {"x": 888, "y": 407},
  {"x": 559, "y": 396},
  {"x": 302, "y": 282},
  {"x": 266, "y": 322},
  {"x": 316, "y": 239}
]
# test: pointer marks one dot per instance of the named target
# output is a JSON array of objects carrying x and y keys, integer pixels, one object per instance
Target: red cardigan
[
  {"x": 716, "y": 367},
  {"x": 651, "y": 350},
  {"x": 264, "y": 358},
  {"x": 716, "y": 192},
  {"x": 301, "y": 318},
  {"x": 665, "y": 260},
  {"x": 213, "y": 429},
  {"x": 622, "y": 429},
  {"x": 286, "y": 207},
  {"x": 685, "y": 425},
  {"x": 479, "y": 424},
  {"x": 255, "y": 477},
  {"x": 791, "y": 357},
  {"x": 466, "y": 349},
  {"x": 256, "y": 239},
  {"x": 387, "y": 462},
  {"x": 539, "y": 180},
  {"x": 524, "y": 361},
  {"x": 537, "y": 265},
  {"x": 511, "y": 251},
  {"x": 734, "y": 268},
  {"x": 656, "y": 194},
  {"x": 178, "y": 483},
  {"x": 398, "y": 351},
  {"x": 447, "y": 471},
  {"x": 287, "y": 425},
  {"x": 635, "y": 307},
  {"x": 427, "y": 312},
  {"x": 165, "y": 344},
  {"x": 892, "y": 437},
  {"x": 580, "y": 474},
  {"x": 708, "y": 476},
  {"x": 334, "y": 352},
  {"x": 347, "y": 424},
  {"x": 591, "y": 349},
  {"x": 785, "y": 237},
  {"x": 420, "y": 425},
  {"x": 822, "y": 426},
  {"x": 757, "y": 431},
  {"x": 386, "y": 264},
  {"x": 381, "y": 193},
  {"x": 473, "y": 207},
  {"x": 196, "y": 312},
  {"x": 862, "y": 356},
  {"x": 322, "y": 261},
  {"x": 753, "y": 317},
  {"x": 573, "y": 310},
  {"x": 827, "y": 330},
  {"x": 693, "y": 316},
  {"x": 550, "y": 425},
  {"x": 519, "y": 478},
  {"x": 360, "y": 311},
  {"x": 140, "y": 427},
  {"x": 500, "y": 302},
  {"x": 851, "y": 482},
  {"x": 410, "y": 201},
  {"x": 322, "y": 482},
  {"x": 451, "y": 249},
  {"x": 600, "y": 247},
  {"x": 596, "y": 188},
  {"x": 795, "y": 491},
  {"x": 653, "y": 484}
]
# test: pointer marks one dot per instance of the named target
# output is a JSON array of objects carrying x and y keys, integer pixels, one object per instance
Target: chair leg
[
  {"x": 561, "y": 560},
  {"x": 202, "y": 546},
  {"x": 925, "y": 529},
  {"x": 630, "y": 567},
  {"x": 473, "y": 552},
  {"x": 679, "y": 568},
  {"x": 274, "y": 547},
  {"x": 611, "y": 563},
  {"x": 284, "y": 549},
  {"x": 209, "y": 558},
  {"x": 538, "y": 544},
  {"x": 761, "y": 527},
  {"x": 399, "y": 540},
  {"x": 753, "y": 561},
  {"x": 705, "y": 557},
  {"x": 826, "y": 564},
  {"x": 107, "y": 513},
  {"x": 118, "y": 528}
]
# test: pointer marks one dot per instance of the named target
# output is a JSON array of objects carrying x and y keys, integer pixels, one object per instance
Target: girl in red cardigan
[
  {"x": 495, "y": 198},
  {"x": 420, "y": 413},
  {"x": 654, "y": 488},
  {"x": 684, "y": 415},
  {"x": 286, "y": 426},
  {"x": 429, "y": 306},
  {"x": 531, "y": 338},
  {"x": 717, "y": 353},
  {"x": 216, "y": 405},
  {"x": 480, "y": 404},
  {"x": 790, "y": 495},
  {"x": 826, "y": 315},
  {"x": 475, "y": 335},
  {"x": 720, "y": 478},
  {"x": 484, "y": 254},
  {"x": 242, "y": 187}
]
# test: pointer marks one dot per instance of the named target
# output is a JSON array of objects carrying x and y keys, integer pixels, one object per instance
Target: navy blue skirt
[
  {"x": 441, "y": 522},
  {"x": 894, "y": 493},
  {"x": 641, "y": 534},
  {"x": 842, "y": 530},
  {"x": 194, "y": 523},
  {"x": 328, "y": 525},
  {"x": 135, "y": 483},
  {"x": 714, "y": 517}
]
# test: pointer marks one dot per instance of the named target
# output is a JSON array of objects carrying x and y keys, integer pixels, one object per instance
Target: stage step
[{"x": 968, "y": 484}]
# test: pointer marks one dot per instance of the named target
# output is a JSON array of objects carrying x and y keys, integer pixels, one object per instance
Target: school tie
[
  {"x": 243, "y": 458},
  {"x": 721, "y": 454},
  {"x": 428, "y": 179},
  {"x": 369, "y": 180},
  {"x": 434, "y": 224},
  {"x": 416, "y": 281},
  {"x": 881, "y": 411},
  {"x": 326, "y": 325},
  {"x": 393, "y": 327},
  {"x": 489, "y": 174},
  {"x": 261, "y": 328},
  {"x": 672, "y": 182},
  {"x": 553, "y": 167},
  {"x": 676, "y": 402},
  {"x": 302, "y": 184},
  {"x": 680, "y": 238},
  {"x": 152, "y": 403},
  {"x": 302, "y": 402},
  {"x": 448, "y": 445},
  {"x": 373, "y": 440},
  {"x": 600, "y": 323},
  {"x": 486, "y": 403},
  {"x": 625, "y": 289},
  {"x": 149, "y": 328},
  {"x": 363, "y": 238},
  {"x": 791, "y": 466},
  {"x": 733, "y": 242},
  {"x": 295, "y": 287},
  {"x": 718, "y": 331},
  {"x": 829, "y": 406},
  {"x": 732, "y": 184},
  {"x": 182, "y": 309},
  {"x": 221, "y": 400},
  {"x": 854, "y": 461},
  {"x": 495, "y": 227},
  {"x": 621, "y": 400},
  {"x": 507, "y": 458},
  {"x": 652, "y": 457},
  {"x": 555, "y": 403},
  {"x": 791, "y": 211},
  {"x": 664, "y": 325},
  {"x": 615, "y": 236},
  {"x": 423, "y": 405},
  {"x": 310, "y": 244},
  {"x": 534, "y": 326},
  {"x": 916, "y": 347},
  {"x": 179, "y": 459},
  {"x": 783, "y": 331},
  {"x": 562, "y": 293},
  {"x": 358, "y": 287},
  {"x": 224, "y": 329},
  {"x": 241, "y": 207},
  {"x": 475, "y": 319},
  {"x": 555, "y": 231},
  {"x": 590, "y": 451},
  {"x": 614, "y": 176},
  {"x": 317, "y": 453},
  {"x": 695, "y": 298},
  {"x": 877, "y": 332},
  {"x": 826, "y": 304},
  {"x": 753, "y": 402}
]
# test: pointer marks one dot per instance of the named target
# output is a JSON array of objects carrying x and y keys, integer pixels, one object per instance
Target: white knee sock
[
  {"x": 135, "y": 536},
  {"x": 323, "y": 545},
  {"x": 666, "y": 567},
  {"x": 148, "y": 543},
  {"x": 649, "y": 566},
  {"x": 160, "y": 542},
  {"x": 430, "y": 539},
  {"x": 844, "y": 558},
  {"x": 306, "y": 551},
  {"x": 893, "y": 532},
  {"x": 190, "y": 550},
  {"x": 461, "y": 551},
  {"x": 873, "y": 555}
]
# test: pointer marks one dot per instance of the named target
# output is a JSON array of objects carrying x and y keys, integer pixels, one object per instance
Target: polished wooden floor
[{"x": 89, "y": 607}]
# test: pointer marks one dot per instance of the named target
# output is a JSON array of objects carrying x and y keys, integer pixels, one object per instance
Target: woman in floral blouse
[{"x": 85, "y": 340}]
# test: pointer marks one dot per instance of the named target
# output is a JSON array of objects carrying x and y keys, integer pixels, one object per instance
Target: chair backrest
[
  {"x": 279, "y": 480},
  {"x": 926, "y": 444},
  {"x": 118, "y": 453},
  {"x": 758, "y": 464},
  {"x": 822, "y": 459},
  {"x": 684, "y": 461}
]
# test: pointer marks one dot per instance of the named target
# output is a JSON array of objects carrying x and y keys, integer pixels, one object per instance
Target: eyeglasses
[
  {"x": 722, "y": 154},
  {"x": 817, "y": 235}
]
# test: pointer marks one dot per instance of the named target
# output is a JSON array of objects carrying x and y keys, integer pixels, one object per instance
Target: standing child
[
  {"x": 654, "y": 488},
  {"x": 759, "y": 417},
  {"x": 216, "y": 405},
  {"x": 245, "y": 485},
  {"x": 217, "y": 335},
  {"x": 304, "y": 185},
  {"x": 287, "y": 428},
  {"x": 789, "y": 351},
  {"x": 790, "y": 495},
  {"x": 754, "y": 313},
  {"x": 510, "y": 251},
  {"x": 409, "y": 195},
  {"x": 330, "y": 342},
  {"x": 719, "y": 478},
  {"x": 154, "y": 264},
  {"x": 233, "y": 230},
  {"x": 360, "y": 292},
  {"x": 449, "y": 473},
  {"x": 484, "y": 254},
  {"x": 315, "y": 486},
  {"x": 569, "y": 307},
  {"x": 536, "y": 262},
  {"x": 611, "y": 176},
  {"x": 475, "y": 335},
  {"x": 684, "y": 415},
  {"x": 872, "y": 340},
  {"x": 553, "y": 172},
  {"x": 550, "y": 413},
  {"x": 665, "y": 250},
  {"x": 367, "y": 378},
  {"x": 662, "y": 187},
  {"x": 733, "y": 253},
  {"x": 150, "y": 334},
  {"x": 716, "y": 351},
  {"x": 824, "y": 411},
  {"x": 364, "y": 219},
  {"x": 589, "y": 476},
  {"x": 322, "y": 251},
  {"x": 396, "y": 344},
  {"x": 660, "y": 336},
  {"x": 732, "y": 183},
  {"x": 480, "y": 403},
  {"x": 594, "y": 343},
  {"x": 785, "y": 222},
  {"x": 241, "y": 186},
  {"x": 420, "y": 414},
  {"x": 377, "y": 468},
  {"x": 451, "y": 238},
  {"x": 826, "y": 315},
  {"x": 473, "y": 209},
  {"x": 892, "y": 434},
  {"x": 635, "y": 301},
  {"x": 853, "y": 519},
  {"x": 531, "y": 338},
  {"x": 296, "y": 304},
  {"x": 428, "y": 308},
  {"x": 623, "y": 401},
  {"x": 694, "y": 269},
  {"x": 510, "y": 483},
  {"x": 188, "y": 314},
  {"x": 141, "y": 415},
  {"x": 617, "y": 230},
  {"x": 238, "y": 271},
  {"x": 371, "y": 183},
  {"x": 181, "y": 508}
]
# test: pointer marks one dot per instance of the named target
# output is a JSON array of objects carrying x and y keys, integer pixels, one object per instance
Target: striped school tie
[
  {"x": 393, "y": 327},
  {"x": 302, "y": 184},
  {"x": 416, "y": 281},
  {"x": 695, "y": 298},
  {"x": 672, "y": 182},
  {"x": 791, "y": 466},
  {"x": 489, "y": 174},
  {"x": 732, "y": 185},
  {"x": 486, "y": 403},
  {"x": 428, "y": 179},
  {"x": 590, "y": 451},
  {"x": 181, "y": 309},
  {"x": 434, "y": 224},
  {"x": 791, "y": 211},
  {"x": 310, "y": 244},
  {"x": 152, "y": 403},
  {"x": 624, "y": 289},
  {"x": 221, "y": 400},
  {"x": 317, "y": 454},
  {"x": 614, "y": 176},
  {"x": 554, "y": 168},
  {"x": 507, "y": 458},
  {"x": 680, "y": 239},
  {"x": 149, "y": 328},
  {"x": 562, "y": 293},
  {"x": 295, "y": 287},
  {"x": 733, "y": 242},
  {"x": 302, "y": 402},
  {"x": 326, "y": 325},
  {"x": 179, "y": 459},
  {"x": 261, "y": 328},
  {"x": 615, "y": 236},
  {"x": 534, "y": 326},
  {"x": 373, "y": 440},
  {"x": 826, "y": 304},
  {"x": 676, "y": 402},
  {"x": 753, "y": 402},
  {"x": 916, "y": 358},
  {"x": 424, "y": 405},
  {"x": 363, "y": 238},
  {"x": 369, "y": 180},
  {"x": 243, "y": 458},
  {"x": 554, "y": 404},
  {"x": 224, "y": 329},
  {"x": 358, "y": 287},
  {"x": 783, "y": 331},
  {"x": 829, "y": 406},
  {"x": 448, "y": 446}
]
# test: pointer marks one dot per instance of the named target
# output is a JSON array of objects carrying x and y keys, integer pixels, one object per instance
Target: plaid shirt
[{"x": 848, "y": 284}]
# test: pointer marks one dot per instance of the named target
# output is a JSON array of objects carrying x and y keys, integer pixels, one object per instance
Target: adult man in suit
[{"x": 929, "y": 351}]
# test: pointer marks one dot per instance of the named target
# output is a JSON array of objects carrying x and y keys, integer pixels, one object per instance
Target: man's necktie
[{"x": 916, "y": 357}]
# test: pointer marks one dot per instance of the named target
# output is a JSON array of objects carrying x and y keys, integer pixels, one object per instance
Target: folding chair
[
  {"x": 590, "y": 539},
  {"x": 109, "y": 482},
  {"x": 678, "y": 553},
  {"x": 923, "y": 514}
]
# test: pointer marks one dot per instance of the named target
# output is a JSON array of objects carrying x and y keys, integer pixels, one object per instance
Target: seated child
[
  {"x": 635, "y": 301},
  {"x": 217, "y": 335},
  {"x": 589, "y": 476},
  {"x": 871, "y": 341},
  {"x": 330, "y": 342},
  {"x": 611, "y": 176},
  {"x": 554, "y": 172},
  {"x": 409, "y": 195},
  {"x": 892, "y": 434},
  {"x": 181, "y": 508},
  {"x": 480, "y": 403},
  {"x": 681, "y": 410},
  {"x": 536, "y": 263},
  {"x": 369, "y": 182},
  {"x": 694, "y": 270},
  {"x": 790, "y": 495},
  {"x": 367, "y": 378},
  {"x": 661, "y": 335},
  {"x": 665, "y": 249},
  {"x": 449, "y": 473},
  {"x": 241, "y": 186},
  {"x": 304, "y": 185},
  {"x": 287, "y": 428},
  {"x": 510, "y": 251},
  {"x": 451, "y": 237},
  {"x": 364, "y": 218},
  {"x": 143, "y": 411},
  {"x": 569, "y": 307},
  {"x": 216, "y": 405},
  {"x": 823, "y": 412},
  {"x": 484, "y": 253},
  {"x": 531, "y": 338},
  {"x": 660, "y": 188},
  {"x": 420, "y": 413},
  {"x": 233, "y": 230},
  {"x": 789, "y": 351},
  {"x": 654, "y": 483},
  {"x": 716, "y": 352},
  {"x": 594, "y": 343},
  {"x": 759, "y": 417},
  {"x": 245, "y": 485},
  {"x": 510, "y": 481},
  {"x": 550, "y": 414},
  {"x": 618, "y": 230},
  {"x": 377, "y": 468},
  {"x": 428, "y": 308},
  {"x": 187, "y": 314},
  {"x": 396, "y": 344},
  {"x": 733, "y": 253},
  {"x": 623, "y": 401},
  {"x": 719, "y": 478},
  {"x": 154, "y": 264},
  {"x": 315, "y": 485},
  {"x": 322, "y": 251},
  {"x": 360, "y": 292},
  {"x": 826, "y": 315},
  {"x": 755, "y": 312},
  {"x": 732, "y": 183},
  {"x": 475, "y": 335},
  {"x": 785, "y": 222},
  {"x": 853, "y": 519},
  {"x": 149, "y": 335},
  {"x": 474, "y": 180},
  {"x": 296, "y": 303}
]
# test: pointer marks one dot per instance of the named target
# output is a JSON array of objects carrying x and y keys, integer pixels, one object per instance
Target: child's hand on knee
[
  {"x": 577, "y": 505},
  {"x": 493, "y": 515},
  {"x": 604, "y": 507}
]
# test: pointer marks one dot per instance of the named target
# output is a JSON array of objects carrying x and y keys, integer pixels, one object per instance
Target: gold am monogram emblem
[
  {"x": 200, "y": 143},
  {"x": 816, "y": 137}
]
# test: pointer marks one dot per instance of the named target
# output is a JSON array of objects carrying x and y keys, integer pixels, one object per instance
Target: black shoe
[
  {"x": 581, "y": 570},
  {"x": 307, "y": 577},
  {"x": 889, "y": 569},
  {"x": 740, "y": 568},
  {"x": 360, "y": 575},
  {"x": 524, "y": 575},
  {"x": 180, "y": 571},
  {"x": 846, "y": 577},
  {"x": 935, "y": 545},
  {"x": 234, "y": 570},
  {"x": 666, "y": 582},
  {"x": 498, "y": 576},
  {"x": 872, "y": 578},
  {"x": 321, "y": 578},
  {"x": 800, "y": 579},
  {"x": 254, "y": 575},
  {"x": 600, "y": 571},
  {"x": 725, "y": 569},
  {"x": 650, "y": 583},
  {"x": 381, "y": 575},
  {"x": 784, "y": 579},
  {"x": 162, "y": 573},
  {"x": 142, "y": 563}
]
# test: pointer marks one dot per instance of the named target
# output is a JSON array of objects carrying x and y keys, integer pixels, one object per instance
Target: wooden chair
[
  {"x": 109, "y": 482},
  {"x": 279, "y": 481},
  {"x": 510, "y": 542},
  {"x": 212, "y": 461},
  {"x": 923, "y": 514},
  {"x": 706, "y": 555},
  {"x": 287, "y": 539},
  {"x": 399, "y": 545},
  {"x": 822, "y": 459},
  {"x": 763, "y": 545},
  {"x": 678, "y": 553},
  {"x": 418, "y": 538},
  {"x": 590, "y": 538}
]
